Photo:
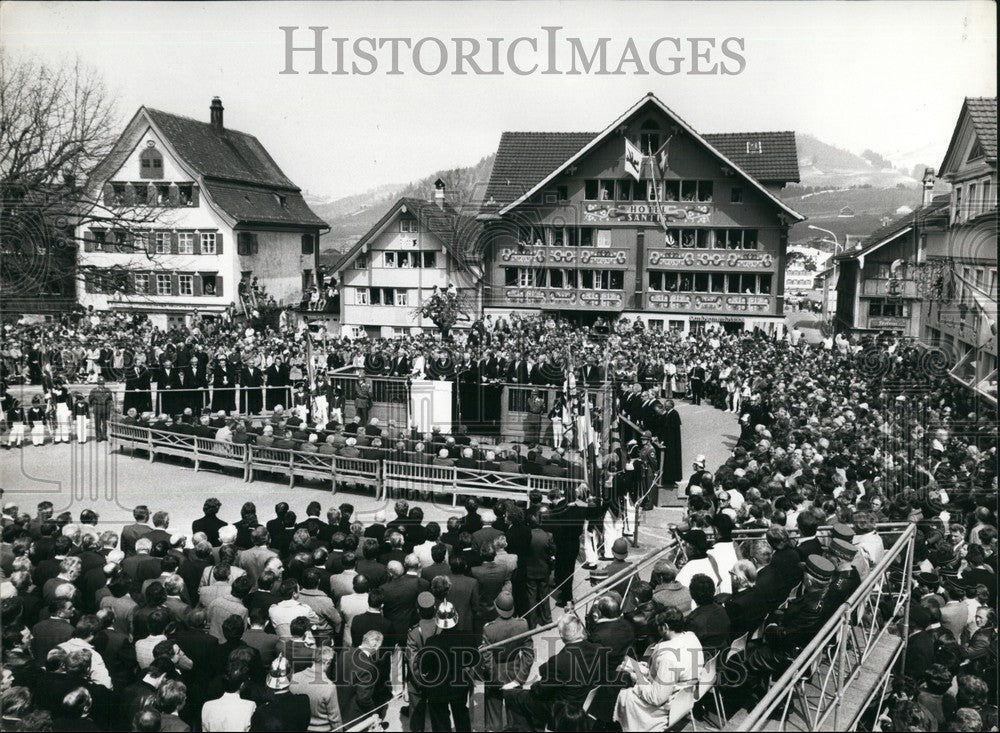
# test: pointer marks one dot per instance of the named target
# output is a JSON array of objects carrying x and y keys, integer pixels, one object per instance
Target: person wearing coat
[
  {"x": 444, "y": 667},
  {"x": 363, "y": 400},
  {"x": 665, "y": 688},
  {"x": 137, "y": 386},
  {"x": 277, "y": 377},
  {"x": 673, "y": 464},
  {"x": 225, "y": 378},
  {"x": 252, "y": 380},
  {"x": 505, "y": 664}
]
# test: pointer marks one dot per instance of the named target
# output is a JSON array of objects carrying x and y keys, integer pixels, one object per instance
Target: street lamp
[{"x": 835, "y": 241}]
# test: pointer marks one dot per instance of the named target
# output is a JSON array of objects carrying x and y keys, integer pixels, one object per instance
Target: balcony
[
  {"x": 556, "y": 298},
  {"x": 885, "y": 288}
]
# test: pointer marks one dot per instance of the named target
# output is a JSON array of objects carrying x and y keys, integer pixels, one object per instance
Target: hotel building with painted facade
[{"x": 568, "y": 231}]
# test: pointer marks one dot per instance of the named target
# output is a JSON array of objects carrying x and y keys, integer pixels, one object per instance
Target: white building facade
[
  {"x": 416, "y": 247},
  {"x": 186, "y": 211}
]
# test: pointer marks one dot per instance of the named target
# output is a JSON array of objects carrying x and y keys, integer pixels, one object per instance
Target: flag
[
  {"x": 987, "y": 315},
  {"x": 633, "y": 160},
  {"x": 660, "y": 156}
]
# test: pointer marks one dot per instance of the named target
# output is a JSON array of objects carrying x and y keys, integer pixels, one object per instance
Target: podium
[{"x": 430, "y": 405}]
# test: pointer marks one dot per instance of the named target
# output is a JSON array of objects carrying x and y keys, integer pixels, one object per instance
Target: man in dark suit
[
  {"x": 709, "y": 621},
  {"x": 808, "y": 522},
  {"x": 252, "y": 381},
  {"x": 609, "y": 629},
  {"x": 210, "y": 523},
  {"x": 360, "y": 674},
  {"x": 567, "y": 677},
  {"x": 439, "y": 552},
  {"x": 283, "y": 710},
  {"x": 165, "y": 379},
  {"x": 372, "y": 620},
  {"x": 463, "y": 594},
  {"x": 132, "y": 532},
  {"x": 54, "y": 630},
  {"x": 493, "y": 579},
  {"x": 444, "y": 670},
  {"x": 400, "y": 600}
]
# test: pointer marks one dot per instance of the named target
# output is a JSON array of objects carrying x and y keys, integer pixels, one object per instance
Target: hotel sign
[
  {"x": 730, "y": 260},
  {"x": 710, "y": 302},
  {"x": 673, "y": 213}
]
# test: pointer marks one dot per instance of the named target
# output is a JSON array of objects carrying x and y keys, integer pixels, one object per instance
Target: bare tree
[{"x": 56, "y": 126}]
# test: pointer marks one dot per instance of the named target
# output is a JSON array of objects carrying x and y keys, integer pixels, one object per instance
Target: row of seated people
[{"x": 369, "y": 442}]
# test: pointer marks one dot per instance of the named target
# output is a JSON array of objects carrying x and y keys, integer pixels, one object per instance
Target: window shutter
[
  {"x": 253, "y": 244},
  {"x": 174, "y": 284},
  {"x": 218, "y": 286},
  {"x": 175, "y": 195},
  {"x": 173, "y": 243},
  {"x": 218, "y": 243},
  {"x": 109, "y": 194},
  {"x": 151, "y": 284},
  {"x": 196, "y": 239},
  {"x": 88, "y": 241},
  {"x": 130, "y": 195},
  {"x": 194, "y": 195},
  {"x": 151, "y": 243},
  {"x": 198, "y": 292},
  {"x": 150, "y": 194}
]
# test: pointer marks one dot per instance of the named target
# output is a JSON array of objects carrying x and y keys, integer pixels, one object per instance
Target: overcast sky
[{"x": 888, "y": 76}]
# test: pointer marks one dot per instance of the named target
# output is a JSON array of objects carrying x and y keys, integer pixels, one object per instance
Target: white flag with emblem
[{"x": 633, "y": 159}]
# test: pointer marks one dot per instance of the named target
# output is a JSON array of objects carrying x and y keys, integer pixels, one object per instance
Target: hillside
[
  {"x": 350, "y": 217},
  {"x": 822, "y": 164}
]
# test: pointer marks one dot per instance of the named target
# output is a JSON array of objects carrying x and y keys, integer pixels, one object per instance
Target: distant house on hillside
[{"x": 846, "y": 212}]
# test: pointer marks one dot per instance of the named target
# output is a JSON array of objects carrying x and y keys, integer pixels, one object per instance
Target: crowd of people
[{"x": 849, "y": 434}]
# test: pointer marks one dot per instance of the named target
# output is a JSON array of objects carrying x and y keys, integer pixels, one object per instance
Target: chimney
[
  {"x": 216, "y": 110},
  {"x": 439, "y": 193},
  {"x": 928, "y": 187}
]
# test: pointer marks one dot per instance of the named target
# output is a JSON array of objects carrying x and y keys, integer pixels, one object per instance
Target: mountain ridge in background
[{"x": 833, "y": 178}]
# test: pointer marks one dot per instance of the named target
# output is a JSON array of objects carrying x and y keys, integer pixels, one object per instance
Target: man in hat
[
  {"x": 647, "y": 466},
  {"x": 846, "y": 578},
  {"x": 619, "y": 550},
  {"x": 504, "y": 666},
  {"x": 786, "y": 631},
  {"x": 416, "y": 638},
  {"x": 533, "y": 421},
  {"x": 363, "y": 399},
  {"x": 81, "y": 413},
  {"x": 283, "y": 710},
  {"x": 444, "y": 667}
]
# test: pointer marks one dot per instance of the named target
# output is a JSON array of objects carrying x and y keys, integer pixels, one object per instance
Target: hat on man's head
[
  {"x": 697, "y": 539},
  {"x": 620, "y": 548},
  {"x": 425, "y": 600},
  {"x": 700, "y": 460},
  {"x": 504, "y": 604},
  {"x": 842, "y": 532},
  {"x": 447, "y": 616},
  {"x": 279, "y": 676},
  {"x": 929, "y": 578},
  {"x": 843, "y": 549},
  {"x": 819, "y": 567}
]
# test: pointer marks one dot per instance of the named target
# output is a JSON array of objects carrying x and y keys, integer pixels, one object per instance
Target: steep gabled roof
[
  {"x": 238, "y": 175},
  {"x": 525, "y": 158},
  {"x": 460, "y": 234},
  {"x": 982, "y": 114},
  {"x": 937, "y": 208},
  {"x": 219, "y": 152},
  {"x": 525, "y": 150},
  {"x": 776, "y": 162}
]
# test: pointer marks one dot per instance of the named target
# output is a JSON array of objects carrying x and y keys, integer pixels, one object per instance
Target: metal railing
[{"x": 832, "y": 681}]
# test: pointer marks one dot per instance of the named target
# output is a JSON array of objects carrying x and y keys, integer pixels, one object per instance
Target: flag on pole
[
  {"x": 660, "y": 156},
  {"x": 633, "y": 160},
  {"x": 987, "y": 308}
]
